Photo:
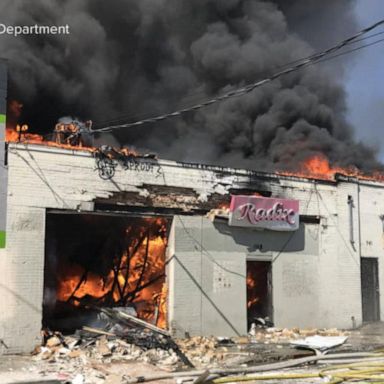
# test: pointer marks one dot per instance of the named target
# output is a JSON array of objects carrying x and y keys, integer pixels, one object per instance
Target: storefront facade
[{"x": 325, "y": 272}]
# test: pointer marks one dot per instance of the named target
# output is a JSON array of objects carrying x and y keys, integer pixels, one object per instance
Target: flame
[
  {"x": 316, "y": 167},
  {"x": 12, "y": 136},
  {"x": 92, "y": 286},
  {"x": 319, "y": 167},
  {"x": 150, "y": 302},
  {"x": 252, "y": 298},
  {"x": 14, "y": 109},
  {"x": 17, "y": 132},
  {"x": 162, "y": 302}
]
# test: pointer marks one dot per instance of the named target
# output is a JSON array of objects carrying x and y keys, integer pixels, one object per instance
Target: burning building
[{"x": 195, "y": 249}]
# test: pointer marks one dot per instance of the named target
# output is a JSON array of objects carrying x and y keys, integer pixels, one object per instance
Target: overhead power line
[
  {"x": 198, "y": 95},
  {"x": 350, "y": 51},
  {"x": 301, "y": 63}
]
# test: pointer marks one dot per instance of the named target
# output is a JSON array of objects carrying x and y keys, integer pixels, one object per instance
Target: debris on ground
[
  {"x": 320, "y": 343},
  {"x": 126, "y": 338},
  {"x": 286, "y": 335},
  {"x": 128, "y": 349},
  {"x": 97, "y": 347}
]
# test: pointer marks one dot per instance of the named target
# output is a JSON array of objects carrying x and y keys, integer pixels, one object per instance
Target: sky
[{"x": 364, "y": 81}]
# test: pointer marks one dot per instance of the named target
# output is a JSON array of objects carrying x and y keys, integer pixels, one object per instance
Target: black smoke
[{"x": 130, "y": 59}]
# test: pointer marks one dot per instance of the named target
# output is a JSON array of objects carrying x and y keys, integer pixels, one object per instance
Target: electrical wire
[
  {"x": 350, "y": 51},
  {"x": 313, "y": 59},
  {"x": 201, "y": 93},
  {"x": 204, "y": 251},
  {"x": 338, "y": 230},
  {"x": 49, "y": 136},
  {"x": 213, "y": 259},
  {"x": 144, "y": 116}
]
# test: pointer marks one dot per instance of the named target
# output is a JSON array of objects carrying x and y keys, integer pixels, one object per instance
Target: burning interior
[
  {"x": 259, "y": 291},
  {"x": 103, "y": 260}
]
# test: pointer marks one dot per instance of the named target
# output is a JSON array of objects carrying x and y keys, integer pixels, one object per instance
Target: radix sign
[{"x": 264, "y": 212}]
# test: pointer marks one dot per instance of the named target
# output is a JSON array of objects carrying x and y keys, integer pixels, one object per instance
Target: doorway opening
[
  {"x": 97, "y": 260},
  {"x": 370, "y": 289},
  {"x": 259, "y": 291}
]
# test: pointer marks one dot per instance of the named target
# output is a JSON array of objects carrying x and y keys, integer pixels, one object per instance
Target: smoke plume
[{"x": 132, "y": 59}]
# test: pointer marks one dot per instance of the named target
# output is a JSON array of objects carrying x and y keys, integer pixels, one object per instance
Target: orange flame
[
  {"x": 17, "y": 132},
  {"x": 150, "y": 302},
  {"x": 252, "y": 295},
  {"x": 12, "y": 136},
  {"x": 318, "y": 167}
]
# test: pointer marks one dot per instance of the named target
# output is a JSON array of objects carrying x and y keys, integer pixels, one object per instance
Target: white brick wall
[
  {"x": 21, "y": 287},
  {"x": 372, "y": 230}
]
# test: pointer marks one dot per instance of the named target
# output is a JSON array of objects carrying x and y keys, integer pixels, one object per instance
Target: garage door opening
[
  {"x": 96, "y": 261},
  {"x": 259, "y": 291}
]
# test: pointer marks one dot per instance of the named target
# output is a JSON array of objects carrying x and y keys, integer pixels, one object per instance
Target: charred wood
[
  {"x": 143, "y": 268},
  {"x": 154, "y": 336}
]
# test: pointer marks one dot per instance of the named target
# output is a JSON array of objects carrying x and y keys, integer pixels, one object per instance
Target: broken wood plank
[
  {"x": 97, "y": 331},
  {"x": 120, "y": 316},
  {"x": 143, "y": 323}
]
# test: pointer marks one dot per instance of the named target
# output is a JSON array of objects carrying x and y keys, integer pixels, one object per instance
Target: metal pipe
[
  {"x": 351, "y": 206},
  {"x": 258, "y": 368}
]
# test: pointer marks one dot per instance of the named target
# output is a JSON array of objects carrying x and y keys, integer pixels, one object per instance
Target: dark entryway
[
  {"x": 370, "y": 289},
  {"x": 104, "y": 260},
  {"x": 259, "y": 290}
]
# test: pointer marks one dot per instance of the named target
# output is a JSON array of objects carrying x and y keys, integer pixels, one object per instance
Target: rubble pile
[
  {"x": 215, "y": 351},
  {"x": 201, "y": 351},
  {"x": 125, "y": 353},
  {"x": 82, "y": 349},
  {"x": 124, "y": 339},
  {"x": 84, "y": 356},
  {"x": 206, "y": 351},
  {"x": 104, "y": 349}
]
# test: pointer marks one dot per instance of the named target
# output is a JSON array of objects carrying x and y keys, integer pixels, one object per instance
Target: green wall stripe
[
  {"x": 2, "y": 118},
  {"x": 2, "y": 239}
]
